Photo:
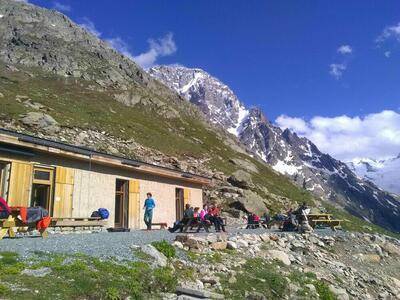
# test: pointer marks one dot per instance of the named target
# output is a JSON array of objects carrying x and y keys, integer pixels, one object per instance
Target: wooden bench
[
  {"x": 194, "y": 223},
  {"x": 78, "y": 222},
  {"x": 162, "y": 225}
]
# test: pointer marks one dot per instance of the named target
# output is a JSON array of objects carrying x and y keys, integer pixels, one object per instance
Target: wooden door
[
  {"x": 20, "y": 184},
  {"x": 179, "y": 203},
  {"x": 134, "y": 204},
  {"x": 121, "y": 215},
  {"x": 63, "y": 195},
  {"x": 186, "y": 196}
]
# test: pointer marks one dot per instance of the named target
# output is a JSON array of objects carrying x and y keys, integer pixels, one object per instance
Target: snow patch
[
  {"x": 237, "y": 129},
  {"x": 285, "y": 168}
]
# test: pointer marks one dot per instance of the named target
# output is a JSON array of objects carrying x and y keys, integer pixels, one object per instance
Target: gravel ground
[{"x": 117, "y": 245}]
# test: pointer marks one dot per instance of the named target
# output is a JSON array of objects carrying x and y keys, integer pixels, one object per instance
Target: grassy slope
[{"x": 72, "y": 104}]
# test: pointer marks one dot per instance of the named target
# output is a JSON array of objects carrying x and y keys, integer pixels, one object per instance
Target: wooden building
[{"x": 73, "y": 181}]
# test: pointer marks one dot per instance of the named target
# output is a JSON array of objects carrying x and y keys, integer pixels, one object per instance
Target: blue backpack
[{"x": 103, "y": 212}]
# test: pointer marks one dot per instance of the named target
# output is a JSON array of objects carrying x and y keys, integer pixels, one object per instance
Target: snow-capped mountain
[
  {"x": 287, "y": 153},
  {"x": 214, "y": 98},
  {"x": 384, "y": 173}
]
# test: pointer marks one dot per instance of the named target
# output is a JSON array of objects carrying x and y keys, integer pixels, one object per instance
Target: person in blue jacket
[{"x": 149, "y": 205}]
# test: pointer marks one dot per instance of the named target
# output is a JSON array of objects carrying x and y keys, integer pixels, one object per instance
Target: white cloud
[
  {"x": 121, "y": 46},
  {"x": 345, "y": 49},
  {"x": 89, "y": 26},
  {"x": 61, "y": 7},
  {"x": 346, "y": 138},
  {"x": 390, "y": 32},
  {"x": 336, "y": 70},
  {"x": 387, "y": 54},
  {"x": 158, "y": 48}
]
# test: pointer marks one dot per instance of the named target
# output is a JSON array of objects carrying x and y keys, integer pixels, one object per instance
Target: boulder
[
  {"x": 41, "y": 121},
  {"x": 219, "y": 245},
  {"x": 279, "y": 255},
  {"x": 248, "y": 166},
  {"x": 231, "y": 245},
  {"x": 241, "y": 179},
  {"x": 250, "y": 202},
  {"x": 159, "y": 258},
  {"x": 390, "y": 248}
]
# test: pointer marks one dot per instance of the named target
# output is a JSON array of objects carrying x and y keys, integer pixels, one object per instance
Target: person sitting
[
  {"x": 187, "y": 217},
  {"x": 203, "y": 219},
  {"x": 253, "y": 221},
  {"x": 5, "y": 210},
  {"x": 214, "y": 216}
]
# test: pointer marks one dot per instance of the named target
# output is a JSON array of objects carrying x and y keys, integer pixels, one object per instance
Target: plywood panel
[
  {"x": 63, "y": 195},
  {"x": 186, "y": 196},
  {"x": 65, "y": 175},
  {"x": 134, "y": 204},
  {"x": 20, "y": 184}
]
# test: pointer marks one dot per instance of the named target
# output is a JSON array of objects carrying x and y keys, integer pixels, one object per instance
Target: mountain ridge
[{"x": 285, "y": 151}]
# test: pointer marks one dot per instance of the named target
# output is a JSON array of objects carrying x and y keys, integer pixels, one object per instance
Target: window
[{"x": 42, "y": 175}]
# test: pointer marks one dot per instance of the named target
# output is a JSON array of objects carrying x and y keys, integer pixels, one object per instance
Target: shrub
[{"x": 165, "y": 248}]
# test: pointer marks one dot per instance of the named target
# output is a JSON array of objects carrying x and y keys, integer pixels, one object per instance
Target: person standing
[{"x": 148, "y": 207}]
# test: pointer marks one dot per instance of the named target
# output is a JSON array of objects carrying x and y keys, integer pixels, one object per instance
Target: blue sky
[{"x": 301, "y": 59}]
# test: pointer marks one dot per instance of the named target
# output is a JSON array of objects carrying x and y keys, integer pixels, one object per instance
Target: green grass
[
  {"x": 258, "y": 276},
  {"x": 78, "y": 277},
  {"x": 165, "y": 248}
]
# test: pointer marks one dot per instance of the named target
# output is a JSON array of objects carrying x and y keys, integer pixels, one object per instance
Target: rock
[
  {"x": 311, "y": 287},
  {"x": 248, "y": 166},
  {"x": 251, "y": 202},
  {"x": 41, "y": 272},
  {"x": 196, "y": 293},
  {"x": 242, "y": 244},
  {"x": 167, "y": 296},
  {"x": 41, "y": 121},
  {"x": 177, "y": 244},
  {"x": 390, "y": 248},
  {"x": 370, "y": 258},
  {"x": 159, "y": 258},
  {"x": 1, "y": 95},
  {"x": 218, "y": 245},
  {"x": 241, "y": 179},
  {"x": 264, "y": 237},
  {"x": 279, "y": 255},
  {"x": 340, "y": 293},
  {"x": 231, "y": 245}
]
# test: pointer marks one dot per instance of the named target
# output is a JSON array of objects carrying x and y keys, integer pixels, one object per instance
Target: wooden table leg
[
  {"x": 3, "y": 232},
  {"x": 11, "y": 232},
  {"x": 44, "y": 233}
]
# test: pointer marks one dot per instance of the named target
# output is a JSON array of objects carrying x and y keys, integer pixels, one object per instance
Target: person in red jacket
[{"x": 5, "y": 210}]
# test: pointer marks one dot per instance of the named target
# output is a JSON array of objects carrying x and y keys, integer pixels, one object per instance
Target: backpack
[
  {"x": 103, "y": 212},
  {"x": 95, "y": 214}
]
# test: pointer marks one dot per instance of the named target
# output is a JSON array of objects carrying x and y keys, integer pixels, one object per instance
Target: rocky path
[{"x": 103, "y": 244}]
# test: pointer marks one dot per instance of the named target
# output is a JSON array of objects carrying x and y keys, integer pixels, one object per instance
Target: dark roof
[{"x": 88, "y": 151}]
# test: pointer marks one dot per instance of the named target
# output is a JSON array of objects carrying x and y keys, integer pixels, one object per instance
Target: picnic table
[
  {"x": 323, "y": 219},
  {"x": 7, "y": 225}
]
